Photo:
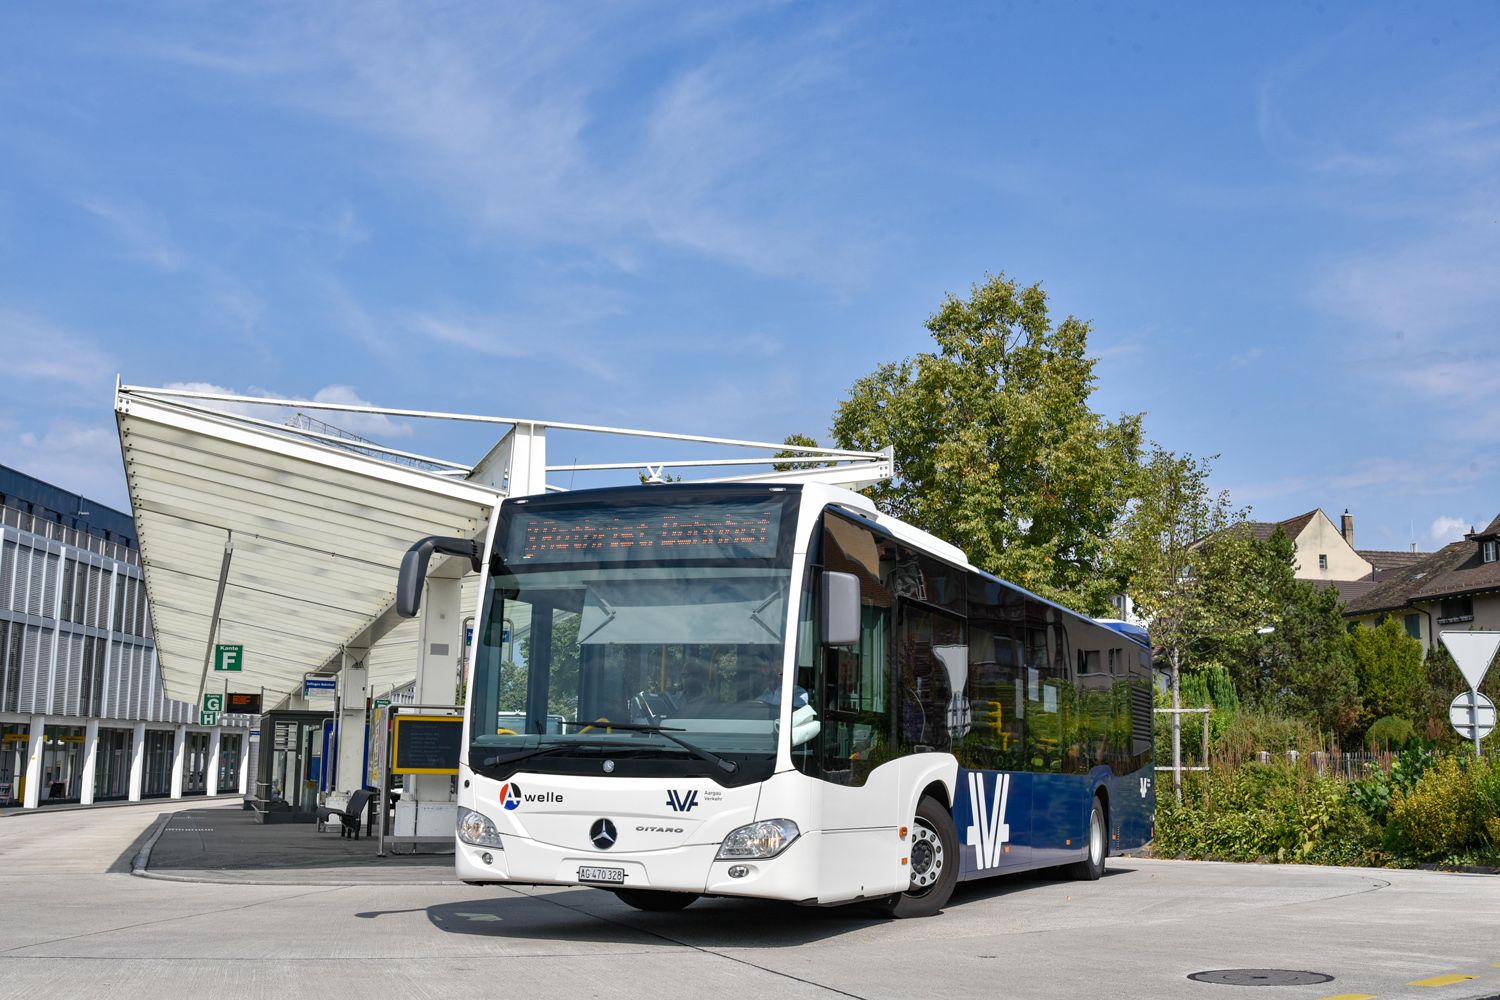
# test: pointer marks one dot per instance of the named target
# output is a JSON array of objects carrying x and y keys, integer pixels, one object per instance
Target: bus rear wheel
[
  {"x": 655, "y": 900},
  {"x": 1092, "y": 865},
  {"x": 933, "y": 860}
]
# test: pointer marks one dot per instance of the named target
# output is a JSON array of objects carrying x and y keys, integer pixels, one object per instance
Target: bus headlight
[
  {"x": 765, "y": 839},
  {"x": 476, "y": 828}
]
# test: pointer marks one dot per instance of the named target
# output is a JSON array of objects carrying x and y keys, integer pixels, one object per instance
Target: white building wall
[{"x": 1321, "y": 537}]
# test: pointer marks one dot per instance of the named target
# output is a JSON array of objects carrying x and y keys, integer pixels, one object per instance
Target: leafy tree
[
  {"x": 1311, "y": 648},
  {"x": 804, "y": 441},
  {"x": 1172, "y": 580},
  {"x": 1291, "y": 652},
  {"x": 996, "y": 448},
  {"x": 1388, "y": 663}
]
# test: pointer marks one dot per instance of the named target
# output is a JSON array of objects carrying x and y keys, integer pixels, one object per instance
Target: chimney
[{"x": 1346, "y": 527}]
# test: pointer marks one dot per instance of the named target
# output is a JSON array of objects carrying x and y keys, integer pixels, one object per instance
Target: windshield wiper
[
  {"x": 728, "y": 766},
  {"x": 534, "y": 752}
]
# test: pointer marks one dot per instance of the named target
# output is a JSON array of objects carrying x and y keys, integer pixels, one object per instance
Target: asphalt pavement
[{"x": 75, "y": 922}]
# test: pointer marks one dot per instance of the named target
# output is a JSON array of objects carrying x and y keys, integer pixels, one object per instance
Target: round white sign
[{"x": 1469, "y": 711}]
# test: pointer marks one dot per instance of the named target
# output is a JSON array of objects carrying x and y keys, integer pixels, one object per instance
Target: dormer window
[
  {"x": 1322, "y": 562},
  {"x": 1487, "y": 551}
]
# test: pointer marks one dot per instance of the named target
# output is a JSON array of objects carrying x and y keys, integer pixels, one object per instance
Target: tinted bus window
[
  {"x": 848, "y": 687},
  {"x": 933, "y": 663},
  {"x": 997, "y": 679}
]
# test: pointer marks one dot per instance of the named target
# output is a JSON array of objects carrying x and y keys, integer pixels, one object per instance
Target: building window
[
  {"x": 1322, "y": 562},
  {"x": 1414, "y": 626},
  {"x": 1487, "y": 550},
  {"x": 1456, "y": 609}
]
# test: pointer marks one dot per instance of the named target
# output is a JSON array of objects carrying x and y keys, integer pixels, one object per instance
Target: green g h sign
[
  {"x": 213, "y": 703},
  {"x": 229, "y": 657}
]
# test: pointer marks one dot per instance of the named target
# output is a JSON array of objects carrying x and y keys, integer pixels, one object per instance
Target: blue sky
[{"x": 1283, "y": 221}]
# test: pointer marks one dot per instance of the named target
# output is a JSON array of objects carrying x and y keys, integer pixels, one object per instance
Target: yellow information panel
[{"x": 427, "y": 744}]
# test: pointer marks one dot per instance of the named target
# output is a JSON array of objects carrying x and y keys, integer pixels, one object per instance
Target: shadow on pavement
[
  {"x": 126, "y": 861},
  {"x": 596, "y": 916},
  {"x": 590, "y": 915}
]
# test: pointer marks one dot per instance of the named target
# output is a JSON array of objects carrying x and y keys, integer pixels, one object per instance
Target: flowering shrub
[
  {"x": 1452, "y": 811},
  {"x": 1418, "y": 811}
]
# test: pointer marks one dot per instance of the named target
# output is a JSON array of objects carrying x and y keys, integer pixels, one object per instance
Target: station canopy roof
[
  {"x": 316, "y": 521},
  {"x": 318, "y": 533}
]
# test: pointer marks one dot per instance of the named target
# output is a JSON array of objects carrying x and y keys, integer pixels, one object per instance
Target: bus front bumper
[{"x": 791, "y": 875}]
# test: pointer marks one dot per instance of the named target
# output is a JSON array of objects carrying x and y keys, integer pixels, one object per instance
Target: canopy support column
[{"x": 354, "y": 692}]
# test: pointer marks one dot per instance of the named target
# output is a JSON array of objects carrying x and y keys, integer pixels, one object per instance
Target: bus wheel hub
[{"x": 926, "y": 856}]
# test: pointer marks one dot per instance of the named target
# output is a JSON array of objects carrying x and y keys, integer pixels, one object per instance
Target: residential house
[
  {"x": 1326, "y": 553},
  {"x": 1455, "y": 588}
]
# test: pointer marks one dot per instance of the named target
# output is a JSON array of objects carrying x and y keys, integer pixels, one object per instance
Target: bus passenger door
[{"x": 848, "y": 689}]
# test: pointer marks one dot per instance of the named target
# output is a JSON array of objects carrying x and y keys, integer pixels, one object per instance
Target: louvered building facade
[{"x": 82, "y": 714}]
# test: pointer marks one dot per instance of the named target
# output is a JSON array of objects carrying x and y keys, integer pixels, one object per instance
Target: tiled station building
[{"x": 82, "y": 715}]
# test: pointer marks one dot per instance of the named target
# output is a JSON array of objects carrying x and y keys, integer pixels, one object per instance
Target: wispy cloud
[
  {"x": 1447, "y": 529},
  {"x": 507, "y": 114},
  {"x": 35, "y": 348},
  {"x": 484, "y": 336},
  {"x": 77, "y": 456},
  {"x": 377, "y": 424},
  {"x": 144, "y": 236}
]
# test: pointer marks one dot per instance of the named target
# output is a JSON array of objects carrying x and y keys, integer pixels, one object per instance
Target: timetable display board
[
  {"x": 712, "y": 530},
  {"x": 243, "y": 703},
  {"x": 427, "y": 744}
]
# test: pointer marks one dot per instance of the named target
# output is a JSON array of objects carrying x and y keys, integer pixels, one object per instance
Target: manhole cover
[{"x": 1261, "y": 977}]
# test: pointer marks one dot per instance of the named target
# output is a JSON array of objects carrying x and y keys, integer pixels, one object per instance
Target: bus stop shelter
[{"x": 281, "y": 540}]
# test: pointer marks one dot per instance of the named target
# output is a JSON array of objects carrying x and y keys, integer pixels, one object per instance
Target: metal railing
[{"x": 23, "y": 521}]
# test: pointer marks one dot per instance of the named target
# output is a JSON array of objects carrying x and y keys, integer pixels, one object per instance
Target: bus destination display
[{"x": 691, "y": 531}]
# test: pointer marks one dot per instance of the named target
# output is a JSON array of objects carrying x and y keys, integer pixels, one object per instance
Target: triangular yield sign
[{"x": 1472, "y": 651}]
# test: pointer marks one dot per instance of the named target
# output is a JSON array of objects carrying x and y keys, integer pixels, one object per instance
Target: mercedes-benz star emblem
[
  {"x": 602, "y": 833},
  {"x": 609, "y": 766}
]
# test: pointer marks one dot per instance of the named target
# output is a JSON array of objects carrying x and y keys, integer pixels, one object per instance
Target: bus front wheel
[
  {"x": 655, "y": 900},
  {"x": 933, "y": 861}
]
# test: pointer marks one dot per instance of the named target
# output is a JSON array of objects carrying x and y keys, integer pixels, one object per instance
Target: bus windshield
[{"x": 639, "y": 609}]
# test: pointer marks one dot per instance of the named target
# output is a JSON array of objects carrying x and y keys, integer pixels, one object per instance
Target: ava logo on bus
[
  {"x": 682, "y": 801},
  {"x": 989, "y": 832}
]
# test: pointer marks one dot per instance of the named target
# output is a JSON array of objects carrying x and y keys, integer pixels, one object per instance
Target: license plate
[{"x": 616, "y": 875}]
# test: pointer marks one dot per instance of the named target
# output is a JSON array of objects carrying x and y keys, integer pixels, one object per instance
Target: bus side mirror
[
  {"x": 414, "y": 568},
  {"x": 840, "y": 621}
]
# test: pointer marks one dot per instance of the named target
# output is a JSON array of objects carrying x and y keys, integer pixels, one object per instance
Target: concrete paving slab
[
  {"x": 1137, "y": 933},
  {"x": 221, "y": 846}
]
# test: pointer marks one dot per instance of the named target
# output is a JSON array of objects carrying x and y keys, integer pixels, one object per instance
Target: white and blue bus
[{"x": 776, "y": 691}]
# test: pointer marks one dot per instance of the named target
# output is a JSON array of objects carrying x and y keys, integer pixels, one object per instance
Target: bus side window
[
  {"x": 1051, "y": 703},
  {"x": 849, "y": 687},
  {"x": 996, "y": 738},
  {"x": 933, "y": 664},
  {"x": 997, "y": 683}
]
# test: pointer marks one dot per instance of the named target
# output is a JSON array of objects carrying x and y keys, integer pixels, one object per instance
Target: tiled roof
[
  {"x": 1295, "y": 525},
  {"x": 1383, "y": 560},
  {"x": 1263, "y": 530},
  {"x": 1350, "y": 590},
  {"x": 1453, "y": 569},
  {"x": 1491, "y": 531}
]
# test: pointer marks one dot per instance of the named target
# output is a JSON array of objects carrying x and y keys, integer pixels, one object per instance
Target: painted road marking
[{"x": 1441, "y": 980}]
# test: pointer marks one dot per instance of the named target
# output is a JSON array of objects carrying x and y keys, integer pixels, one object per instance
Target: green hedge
[{"x": 1419, "y": 811}]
